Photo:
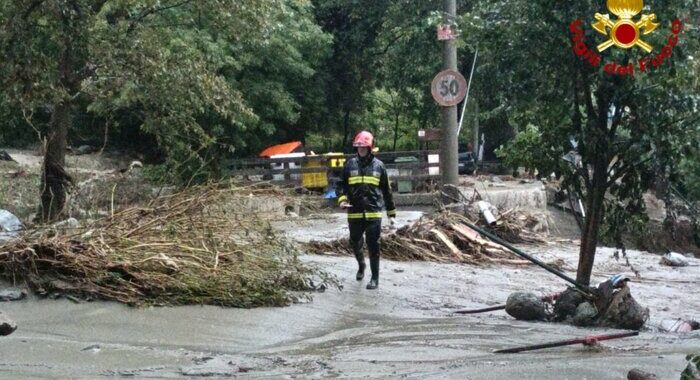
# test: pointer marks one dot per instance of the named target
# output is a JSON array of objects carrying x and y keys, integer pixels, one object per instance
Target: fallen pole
[
  {"x": 585, "y": 289},
  {"x": 588, "y": 340},
  {"x": 548, "y": 298},
  {"x": 484, "y": 310}
]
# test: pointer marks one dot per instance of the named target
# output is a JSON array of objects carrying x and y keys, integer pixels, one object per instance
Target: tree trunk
[
  {"x": 396, "y": 130},
  {"x": 346, "y": 128},
  {"x": 54, "y": 179},
  {"x": 594, "y": 216}
]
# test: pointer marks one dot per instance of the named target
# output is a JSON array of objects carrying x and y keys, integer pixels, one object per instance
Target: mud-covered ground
[{"x": 404, "y": 329}]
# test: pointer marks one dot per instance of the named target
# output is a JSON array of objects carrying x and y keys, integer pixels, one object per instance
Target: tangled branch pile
[
  {"x": 444, "y": 239},
  {"x": 193, "y": 247},
  {"x": 517, "y": 227}
]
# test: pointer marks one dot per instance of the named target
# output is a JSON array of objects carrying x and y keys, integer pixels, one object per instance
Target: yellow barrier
[
  {"x": 314, "y": 180},
  {"x": 337, "y": 160}
]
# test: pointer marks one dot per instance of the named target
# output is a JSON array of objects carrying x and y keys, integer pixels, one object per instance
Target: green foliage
[
  {"x": 693, "y": 367},
  {"x": 280, "y": 80},
  {"x": 197, "y": 81},
  {"x": 523, "y": 150},
  {"x": 689, "y": 175},
  {"x": 204, "y": 79},
  {"x": 622, "y": 220},
  {"x": 655, "y": 114},
  {"x": 157, "y": 174}
]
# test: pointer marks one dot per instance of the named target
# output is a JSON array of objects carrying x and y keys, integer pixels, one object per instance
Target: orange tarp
[{"x": 287, "y": 148}]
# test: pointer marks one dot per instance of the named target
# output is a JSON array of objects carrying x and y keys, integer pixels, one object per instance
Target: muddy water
[{"x": 402, "y": 330}]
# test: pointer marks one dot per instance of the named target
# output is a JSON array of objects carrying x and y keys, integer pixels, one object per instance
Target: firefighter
[{"x": 363, "y": 190}]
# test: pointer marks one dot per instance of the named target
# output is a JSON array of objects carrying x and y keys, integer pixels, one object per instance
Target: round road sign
[{"x": 449, "y": 88}]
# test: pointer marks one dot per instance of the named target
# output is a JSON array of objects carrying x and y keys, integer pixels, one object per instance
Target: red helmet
[{"x": 363, "y": 139}]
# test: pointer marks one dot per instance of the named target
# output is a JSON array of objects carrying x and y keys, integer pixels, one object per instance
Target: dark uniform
[{"x": 365, "y": 185}]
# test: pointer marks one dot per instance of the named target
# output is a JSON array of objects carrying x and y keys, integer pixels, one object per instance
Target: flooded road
[{"x": 405, "y": 329}]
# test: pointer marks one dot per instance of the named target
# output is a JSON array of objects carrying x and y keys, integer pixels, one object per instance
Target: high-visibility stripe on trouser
[
  {"x": 373, "y": 215},
  {"x": 364, "y": 215}
]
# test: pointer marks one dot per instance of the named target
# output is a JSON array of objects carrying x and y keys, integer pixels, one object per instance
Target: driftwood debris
[
  {"x": 588, "y": 340},
  {"x": 192, "y": 247},
  {"x": 443, "y": 238}
]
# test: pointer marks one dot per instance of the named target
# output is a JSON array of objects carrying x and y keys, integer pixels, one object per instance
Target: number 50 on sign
[{"x": 449, "y": 88}]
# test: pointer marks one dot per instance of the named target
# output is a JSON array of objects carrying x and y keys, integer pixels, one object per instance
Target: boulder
[
  {"x": 9, "y": 226},
  {"x": 4, "y": 156},
  {"x": 526, "y": 307},
  {"x": 674, "y": 259},
  {"x": 624, "y": 312},
  {"x": 568, "y": 301},
  {"x": 7, "y": 326},
  {"x": 585, "y": 314},
  {"x": 12, "y": 294},
  {"x": 637, "y": 374}
]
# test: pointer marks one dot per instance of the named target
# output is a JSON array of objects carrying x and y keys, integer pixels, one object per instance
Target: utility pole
[
  {"x": 477, "y": 142},
  {"x": 448, "y": 148}
]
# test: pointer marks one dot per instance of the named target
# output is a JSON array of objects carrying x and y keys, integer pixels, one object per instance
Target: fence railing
[{"x": 317, "y": 171}]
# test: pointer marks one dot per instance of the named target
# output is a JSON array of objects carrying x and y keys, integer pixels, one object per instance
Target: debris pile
[
  {"x": 184, "y": 248},
  {"x": 610, "y": 305},
  {"x": 679, "y": 325},
  {"x": 444, "y": 238},
  {"x": 515, "y": 226},
  {"x": 673, "y": 259}
]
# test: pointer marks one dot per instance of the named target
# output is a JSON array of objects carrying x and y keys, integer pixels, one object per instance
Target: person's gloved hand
[
  {"x": 392, "y": 221},
  {"x": 345, "y": 205}
]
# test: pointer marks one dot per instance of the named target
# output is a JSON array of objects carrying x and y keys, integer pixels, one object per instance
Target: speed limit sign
[{"x": 449, "y": 88}]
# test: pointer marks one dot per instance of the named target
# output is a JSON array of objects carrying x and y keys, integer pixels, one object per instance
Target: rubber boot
[
  {"x": 374, "y": 266},
  {"x": 361, "y": 270}
]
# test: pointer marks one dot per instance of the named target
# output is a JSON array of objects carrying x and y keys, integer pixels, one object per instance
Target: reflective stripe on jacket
[{"x": 365, "y": 185}]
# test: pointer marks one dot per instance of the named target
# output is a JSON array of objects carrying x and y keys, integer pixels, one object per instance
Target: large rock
[
  {"x": 12, "y": 294},
  {"x": 585, "y": 315},
  {"x": 674, "y": 259},
  {"x": 637, "y": 374},
  {"x": 526, "y": 307},
  {"x": 7, "y": 326},
  {"x": 4, "y": 156},
  {"x": 9, "y": 226},
  {"x": 86, "y": 149},
  {"x": 568, "y": 301},
  {"x": 624, "y": 312}
]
